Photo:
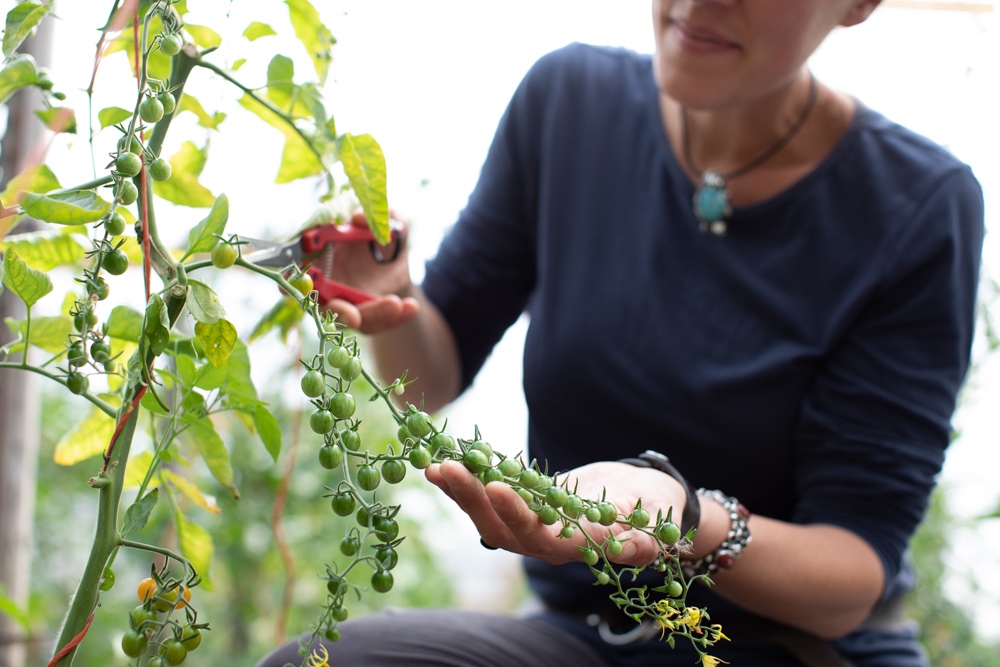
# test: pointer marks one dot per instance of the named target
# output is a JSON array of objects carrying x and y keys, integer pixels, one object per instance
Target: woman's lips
[{"x": 700, "y": 40}]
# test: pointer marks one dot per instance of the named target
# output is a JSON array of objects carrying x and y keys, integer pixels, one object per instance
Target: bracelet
[
  {"x": 736, "y": 540},
  {"x": 692, "y": 507}
]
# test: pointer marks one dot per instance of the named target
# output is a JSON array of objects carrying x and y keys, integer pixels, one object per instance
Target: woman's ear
[{"x": 859, "y": 11}]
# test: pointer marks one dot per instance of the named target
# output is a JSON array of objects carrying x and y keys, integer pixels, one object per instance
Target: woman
[{"x": 725, "y": 261}]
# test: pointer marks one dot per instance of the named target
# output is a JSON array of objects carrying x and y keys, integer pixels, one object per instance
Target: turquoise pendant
[{"x": 711, "y": 203}]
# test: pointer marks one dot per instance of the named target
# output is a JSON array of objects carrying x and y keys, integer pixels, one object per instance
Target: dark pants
[{"x": 446, "y": 638}]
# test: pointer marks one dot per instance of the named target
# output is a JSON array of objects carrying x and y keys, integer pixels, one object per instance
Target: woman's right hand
[{"x": 394, "y": 302}]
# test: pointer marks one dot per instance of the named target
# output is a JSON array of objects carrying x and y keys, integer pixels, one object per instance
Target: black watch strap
[{"x": 692, "y": 506}]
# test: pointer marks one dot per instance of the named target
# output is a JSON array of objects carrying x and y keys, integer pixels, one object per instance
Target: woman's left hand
[{"x": 504, "y": 520}]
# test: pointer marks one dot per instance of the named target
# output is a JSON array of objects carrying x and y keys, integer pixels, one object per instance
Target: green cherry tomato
[
  {"x": 313, "y": 384},
  {"x": 336, "y": 587},
  {"x": 191, "y": 638},
  {"x": 134, "y": 146},
  {"x": 669, "y": 532},
  {"x": 614, "y": 547},
  {"x": 77, "y": 383},
  {"x": 108, "y": 579},
  {"x": 556, "y": 496},
  {"x": 609, "y": 512},
  {"x": 590, "y": 557},
  {"x": 482, "y": 446},
  {"x": 134, "y": 643},
  {"x": 321, "y": 421},
  {"x": 475, "y": 461},
  {"x": 419, "y": 424},
  {"x": 129, "y": 193},
  {"x": 675, "y": 589},
  {"x": 150, "y": 110},
  {"x": 302, "y": 282},
  {"x": 351, "y": 370},
  {"x": 567, "y": 531},
  {"x": 157, "y": 661},
  {"x": 76, "y": 356},
  {"x": 382, "y": 581},
  {"x": 387, "y": 527},
  {"x": 171, "y": 44},
  {"x": 332, "y": 633},
  {"x": 142, "y": 614},
  {"x": 369, "y": 477},
  {"x": 339, "y": 613},
  {"x": 403, "y": 434},
  {"x": 526, "y": 496},
  {"x": 393, "y": 471},
  {"x": 160, "y": 169},
  {"x": 387, "y": 557},
  {"x": 128, "y": 164},
  {"x": 115, "y": 224},
  {"x": 338, "y": 356},
  {"x": 529, "y": 478},
  {"x": 350, "y": 545},
  {"x": 443, "y": 443},
  {"x": 351, "y": 439},
  {"x": 420, "y": 457},
  {"x": 574, "y": 506},
  {"x": 548, "y": 515},
  {"x": 593, "y": 514},
  {"x": 115, "y": 262},
  {"x": 224, "y": 255},
  {"x": 639, "y": 518},
  {"x": 603, "y": 578},
  {"x": 544, "y": 482},
  {"x": 173, "y": 651},
  {"x": 168, "y": 102},
  {"x": 343, "y": 503},
  {"x": 99, "y": 288},
  {"x": 491, "y": 475},
  {"x": 510, "y": 467},
  {"x": 330, "y": 457},
  {"x": 342, "y": 405}
]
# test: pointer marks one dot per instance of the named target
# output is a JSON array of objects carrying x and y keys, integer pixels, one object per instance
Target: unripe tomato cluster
[{"x": 153, "y": 628}]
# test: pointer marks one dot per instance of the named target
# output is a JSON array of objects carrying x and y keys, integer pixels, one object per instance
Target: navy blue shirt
[{"x": 807, "y": 362}]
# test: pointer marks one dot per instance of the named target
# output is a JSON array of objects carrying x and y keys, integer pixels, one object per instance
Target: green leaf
[
  {"x": 138, "y": 512},
  {"x": 269, "y": 430},
  {"x": 125, "y": 323},
  {"x": 77, "y": 207},
  {"x": 202, "y": 236},
  {"x": 45, "y": 250},
  {"x": 182, "y": 187},
  {"x": 202, "y": 434},
  {"x": 204, "y": 37},
  {"x": 315, "y": 36},
  {"x": 256, "y": 30},
  {"x": 189, "y": 103},
  {"x": 297, "y": 159},
  {"x": 90, "y": 438},
  {"x": 192, "y": 492},
  {"x": 238, "y": 64},
  {"x": 27, "y": 283},
  {"x": 21, "y": 20},
  {"x": 217, "y": 340},
  {"x": 112, "y": 115},
  {"x": 17, "y": 73},
  {"x": 204, "y": 303},
  {"x": 196, "y": 545},
  {"x": 49, "y": 333},
  {"x": 58, "y": 119},
  {"x": 239, "y": 388},
  {"x": 364, "y": 165},
  {"x": 286, "y": 315},
  {"x": 11, "y": 609},
  {"x": 185, "y": 369},
  {"x": 33, "y": 179},
  {"x": 156, "y": 325},
  {"x": 280, "y": 82}
]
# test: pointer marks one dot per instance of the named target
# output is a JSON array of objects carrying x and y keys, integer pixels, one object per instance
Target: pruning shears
[{"x": 317, "y": 247}]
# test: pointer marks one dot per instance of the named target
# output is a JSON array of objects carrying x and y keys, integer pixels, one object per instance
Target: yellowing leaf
[
  {"x": 27, "y": 283},
  {"x": 256, "y": 30},
  {"x": 201, "y": 432},
  {"x": 88, "y": 439},
  {"x": 45, "y": 250},
  {"x": 182, "y": 187},
  {"x": 315, "y": 36},
  {"x": 364, "y": 164},
  {"x": 203, "y": 36},
  {"x": 196, "y": 545},
  {"x": 203, "y": 303},
  {"x": 136, "y": 468},
  {"x": 21, "y": 20},
  {"x": 217, "y": 340},
  {"x": 17, "y": 73},
  {"x": 76, "y": 207},
  {"x": 297, "y": 159},
  {"x": 48, "y": 333},
  {"x": 192, "y": 492},
  {"x": 189, "y": 103}
]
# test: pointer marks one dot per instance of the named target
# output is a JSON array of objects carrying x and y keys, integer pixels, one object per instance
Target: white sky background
[{"x": 430, "y": 79}]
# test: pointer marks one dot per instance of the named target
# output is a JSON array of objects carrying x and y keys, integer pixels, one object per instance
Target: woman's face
[{"x": 723, "y": 53}]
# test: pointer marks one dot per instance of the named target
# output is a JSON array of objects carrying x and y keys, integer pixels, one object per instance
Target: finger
[
  {"x": 347, "y": 313},
  {"x": 534, "y": 537},
  {"x": 385, "y": 313},
  {"x": 358, "y": 219},
  {"x": 470, "y": 495},
  {"x": 638, "y": 548},
  {"x": 433, "y": 475}
]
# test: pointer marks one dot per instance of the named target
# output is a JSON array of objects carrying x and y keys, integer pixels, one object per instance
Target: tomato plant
[{"x": 170, "y": 368}]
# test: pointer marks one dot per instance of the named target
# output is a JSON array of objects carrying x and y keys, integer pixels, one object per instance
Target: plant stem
[
  {"x": 106, "y": 408},
  {"x": 89, "y": 185}
]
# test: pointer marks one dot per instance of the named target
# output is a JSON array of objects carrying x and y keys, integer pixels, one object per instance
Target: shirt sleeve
[{"x": 875, "y": 425}]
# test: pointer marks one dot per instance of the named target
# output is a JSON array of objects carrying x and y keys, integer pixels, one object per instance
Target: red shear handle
[
  {"x": 315, "y": 239},
  {"x": 331, "y": 289}
]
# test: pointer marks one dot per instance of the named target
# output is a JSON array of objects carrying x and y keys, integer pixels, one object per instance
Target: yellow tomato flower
[
  {"x": 711, "y": 661},
  {"x": 319, "y": 657}
]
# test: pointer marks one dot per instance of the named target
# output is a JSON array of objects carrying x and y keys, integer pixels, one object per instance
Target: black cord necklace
[{"x": 711, "y": 201}]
